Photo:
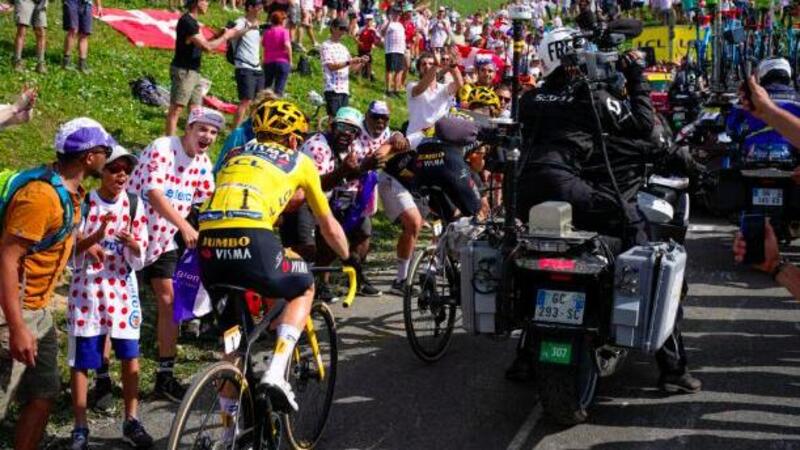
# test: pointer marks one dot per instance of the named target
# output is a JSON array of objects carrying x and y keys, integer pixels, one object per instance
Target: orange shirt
[{"x": 33, "y": 213}]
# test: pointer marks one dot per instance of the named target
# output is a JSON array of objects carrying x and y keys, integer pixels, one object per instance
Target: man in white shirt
[
  {"x": 247, "y": 57},
  {"x": 429, "y": 100},
  {"x": 336, "y": 63},
  {"x": 439, "y": 32},
  {"x": 394, "y": 38}
]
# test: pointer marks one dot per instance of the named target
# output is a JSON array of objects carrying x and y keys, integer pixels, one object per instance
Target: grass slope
[{"x": 104, "y": 94}]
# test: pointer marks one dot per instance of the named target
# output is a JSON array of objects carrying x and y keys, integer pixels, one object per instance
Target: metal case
[
  {"x": 647, "y": 292},
  {"x": 481, "y": 266}
]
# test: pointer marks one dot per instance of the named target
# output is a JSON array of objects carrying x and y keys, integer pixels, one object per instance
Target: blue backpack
[{"x": 12, "y": 181}]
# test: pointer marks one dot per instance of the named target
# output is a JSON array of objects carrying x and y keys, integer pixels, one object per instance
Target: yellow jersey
[{"x": 254, "y": 186}]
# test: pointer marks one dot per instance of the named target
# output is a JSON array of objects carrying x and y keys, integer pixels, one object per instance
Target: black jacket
[{"x": 560, "y": 132}]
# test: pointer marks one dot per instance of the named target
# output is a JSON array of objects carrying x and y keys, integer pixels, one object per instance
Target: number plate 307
[{"x": 560, "y": 306}]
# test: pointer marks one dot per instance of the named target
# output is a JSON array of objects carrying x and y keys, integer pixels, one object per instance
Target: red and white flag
[{"x": 152, "y": 28}]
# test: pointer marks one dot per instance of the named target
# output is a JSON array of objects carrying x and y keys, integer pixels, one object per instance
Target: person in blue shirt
[{"x": 758, "y": 140}]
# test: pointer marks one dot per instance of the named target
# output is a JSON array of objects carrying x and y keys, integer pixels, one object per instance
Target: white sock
[
  {"x": 402, "y": 268},
  {"x": 287, "y": 338}
]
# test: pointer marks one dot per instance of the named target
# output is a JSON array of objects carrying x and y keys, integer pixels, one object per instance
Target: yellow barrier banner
[{"x": 658, "y": 38}]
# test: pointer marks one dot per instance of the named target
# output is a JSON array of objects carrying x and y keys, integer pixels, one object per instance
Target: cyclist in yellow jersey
[{"x": 237, "y": 244}]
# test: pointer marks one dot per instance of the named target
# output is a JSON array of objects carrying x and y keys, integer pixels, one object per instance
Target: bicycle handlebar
[{"x": 351, "y": 281}]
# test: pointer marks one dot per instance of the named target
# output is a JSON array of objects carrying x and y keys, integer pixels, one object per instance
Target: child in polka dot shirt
[{"x": 103, "y": 299}]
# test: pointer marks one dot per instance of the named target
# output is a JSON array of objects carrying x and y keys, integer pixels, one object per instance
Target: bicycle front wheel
[
  {"x": 430, "y": 315},
  {"x": 200, "y": 422},
  {"x": 312, "y": 375}
]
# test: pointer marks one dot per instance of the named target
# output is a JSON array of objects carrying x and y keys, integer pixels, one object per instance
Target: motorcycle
[
  {"x": 585, "y": 306},
  {"x": 757, "y": 179}
]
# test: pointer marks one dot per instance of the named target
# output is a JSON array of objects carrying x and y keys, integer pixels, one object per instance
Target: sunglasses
[
  {"x": 342, "y": 28},
  {"x": 346, "y": 128},
  {"x": 105, "y": 150},
  {"x": 379, "y": 116},
  {"x": 117, "y": 168}
]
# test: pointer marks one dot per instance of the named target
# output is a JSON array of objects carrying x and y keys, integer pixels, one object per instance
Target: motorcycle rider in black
[{"x": 562, "y": 160}]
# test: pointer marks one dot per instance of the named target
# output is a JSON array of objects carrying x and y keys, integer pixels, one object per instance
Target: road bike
[{"x": 201, "y": 423}]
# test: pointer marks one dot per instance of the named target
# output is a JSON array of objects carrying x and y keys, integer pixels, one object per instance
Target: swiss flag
[
  {"x": 468, "y": 56},
  {"x": 154, "y": 28}
]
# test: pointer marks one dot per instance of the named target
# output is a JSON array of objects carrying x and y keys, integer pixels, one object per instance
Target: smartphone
[
  {"x": 745, "y": 67},
  {"x": 752, "y": 226}
]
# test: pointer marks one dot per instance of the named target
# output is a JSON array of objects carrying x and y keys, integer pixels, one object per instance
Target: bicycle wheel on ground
[
  {"x": 200, "y": 423},
  {"x": 313, "y": 380},
  {"x": 430, "y": 315}
]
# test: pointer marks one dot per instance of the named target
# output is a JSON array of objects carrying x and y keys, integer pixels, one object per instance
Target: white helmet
[
  {"x": 555, "y": 44},
  {"x": 768, "y": 65}
]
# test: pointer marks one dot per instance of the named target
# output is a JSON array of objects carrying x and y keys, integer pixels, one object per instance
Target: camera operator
[{"x": 563, "y": 160}]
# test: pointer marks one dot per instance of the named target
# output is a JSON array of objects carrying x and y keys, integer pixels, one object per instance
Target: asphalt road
[{"x": 742, "y": 335}]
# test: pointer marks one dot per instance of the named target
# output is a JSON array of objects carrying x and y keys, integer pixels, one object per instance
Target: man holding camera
[{"x": 584, "y": 142}]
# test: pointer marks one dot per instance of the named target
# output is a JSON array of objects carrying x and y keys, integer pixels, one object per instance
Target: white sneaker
[{"x": 280, "y": 392}]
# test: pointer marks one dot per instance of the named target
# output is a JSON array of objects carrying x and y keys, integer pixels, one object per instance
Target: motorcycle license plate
[
  {"x": 555, "y": 352},
  {"x": 560, "y": 306},
  {"x": 767, "y": 197}
]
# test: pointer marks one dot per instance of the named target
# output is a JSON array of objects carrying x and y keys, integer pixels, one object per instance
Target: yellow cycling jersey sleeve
[{"x": 255, "y": 186}]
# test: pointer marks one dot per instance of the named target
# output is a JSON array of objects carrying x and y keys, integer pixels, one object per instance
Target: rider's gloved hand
[{"x": 354, "y": 262}]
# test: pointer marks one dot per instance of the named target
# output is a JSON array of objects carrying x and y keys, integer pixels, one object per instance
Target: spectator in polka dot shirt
[
  {"x": 103, "y": 297},
  {"x": 173, "y": 174}
]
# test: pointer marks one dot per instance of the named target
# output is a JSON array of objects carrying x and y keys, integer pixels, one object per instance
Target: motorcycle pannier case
[
  {"x": 647, "y": 291},
  {"x": 480, "y": 277}
]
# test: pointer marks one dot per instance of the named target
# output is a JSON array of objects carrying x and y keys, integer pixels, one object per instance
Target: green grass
[{"x": 104, "y": 95}]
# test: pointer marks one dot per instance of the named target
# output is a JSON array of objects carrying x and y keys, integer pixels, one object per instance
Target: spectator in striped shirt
[{"x": 336, "y": 63}]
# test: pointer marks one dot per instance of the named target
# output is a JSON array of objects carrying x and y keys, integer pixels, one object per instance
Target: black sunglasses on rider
[{"x": 346, "y": 128}]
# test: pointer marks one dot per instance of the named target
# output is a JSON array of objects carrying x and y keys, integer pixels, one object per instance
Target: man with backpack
[{"x": 41, "y": 208}]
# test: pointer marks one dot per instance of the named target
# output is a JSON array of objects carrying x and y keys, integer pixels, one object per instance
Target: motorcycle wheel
[{"x": 567, "y": 392}]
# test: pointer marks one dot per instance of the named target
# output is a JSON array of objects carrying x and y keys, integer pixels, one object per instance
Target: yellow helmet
[
  {"x": 482, "y": 96},
  {"x": 279, "y": 117}
]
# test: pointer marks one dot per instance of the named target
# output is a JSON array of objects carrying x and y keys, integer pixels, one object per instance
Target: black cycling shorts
[
  {"x": 444, "y": 169},
  {"x": 250, "y": 258}
]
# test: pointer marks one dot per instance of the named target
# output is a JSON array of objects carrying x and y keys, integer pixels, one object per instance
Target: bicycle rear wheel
[
  {"x": 430, "y": 316},
  {"x": 313, "y": 384},
  {"x": 199, "y": 422}
]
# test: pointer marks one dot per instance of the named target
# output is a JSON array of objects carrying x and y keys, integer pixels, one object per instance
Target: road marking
[
  {"x": 353, "y": 399},
  {"x": 528, "y": 426}
]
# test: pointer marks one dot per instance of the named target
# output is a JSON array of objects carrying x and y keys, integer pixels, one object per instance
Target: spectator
[
  {"x": 277, "y": 44},
  {"x": 307, "y": 13},
  {"x": 343, "y": 163},
  {"x": 247, "y": 61},
  {"x": 244, "y": 132},
  {"x": 78, "y": 25},
  {"x": 367, "y": 39},
  {"x": 428, "y": 99},
  {"x": 111, "y": 240},
  {"x": 407, "y": 20},
  {"x": 503, "y": 92},
  {"x": 185, "y": 68},
  {"x": 395, "y": 49},
  {"x": 34, "y": 250},
  {"x": 336, "y": 63},
  {"x": 233, "y": 6},
  {"x": 457, "y": 34},
  {"x": 173, "y": 174},
  {"x": 29, "y": 13},
  {"x": 439, "y": 32},
  {"x": 20, "y": 111}
]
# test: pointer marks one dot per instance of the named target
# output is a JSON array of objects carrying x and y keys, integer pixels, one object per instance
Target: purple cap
[
  {"x": 81, "y": 134},
  {"x": 207, "y": 116},
  {"x": 378, "y": 107}
]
